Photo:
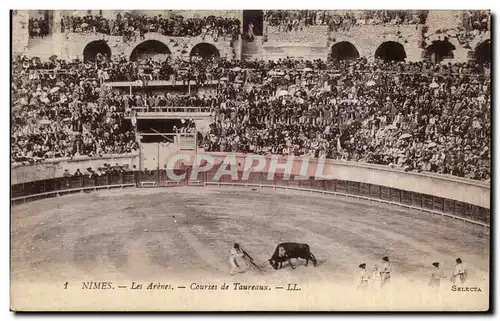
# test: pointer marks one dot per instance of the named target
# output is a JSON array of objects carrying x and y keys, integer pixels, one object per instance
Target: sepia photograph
[{"x": 250, "y": 160}]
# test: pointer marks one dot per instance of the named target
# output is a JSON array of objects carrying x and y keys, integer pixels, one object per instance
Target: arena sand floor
[{"x": 131, "y": 235}]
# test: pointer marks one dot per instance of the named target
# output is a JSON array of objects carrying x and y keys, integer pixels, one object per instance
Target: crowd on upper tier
[
  {"x": 136, "y": 25},
  {"x": 133, "y": 25},
  {"x": 413, "y": 115},
  {"x": 289, "y": 20},
  {"x": 477, "y": 20},
  {"x": 38, "y": 27}
]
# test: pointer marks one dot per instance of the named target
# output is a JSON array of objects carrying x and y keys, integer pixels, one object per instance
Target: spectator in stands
[
  {"x": 38, "y": 27},
  {"x": 473, "y": 24},
  {"x": 353, "y": 115},
  {"x": 134, "y": 26},
  {"x": 294, "y": 20},
  {"x": 65, "y": 115},
  {"x": 413, "y": 115}
]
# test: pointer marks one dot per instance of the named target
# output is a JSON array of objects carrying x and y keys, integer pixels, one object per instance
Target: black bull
[{"x": 287, "y": 251}]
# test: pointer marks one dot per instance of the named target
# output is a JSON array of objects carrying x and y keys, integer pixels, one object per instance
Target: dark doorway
[
  {"x": 482, "y": 54},
  {"x": 256, "y": 17},
  {"x": 48, "y": 15},
  {"x": 205, "y": 50},
  {"x": 439, "y": 50},
  {"x": 344, "y": 51},
  {"x": 150, "y": 49},
  {"x": 391, "y": 51},
  {"x": 94, "y": 48},
  {"x": 199, "y": 139}
]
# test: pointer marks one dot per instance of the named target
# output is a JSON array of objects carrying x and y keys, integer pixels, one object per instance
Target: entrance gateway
[
  {"x": 160, "y": 140},
  {"x": 161, "y": 136}
]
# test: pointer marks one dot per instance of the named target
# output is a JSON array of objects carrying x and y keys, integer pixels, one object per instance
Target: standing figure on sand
[
  {"x": 234, "y": 256},
  {"x": 385, "y": 274},
  {"x": 237, "y": 253},
  {"x": 436, "y": 276},
  {"x": 364, "y": 277},
  {"x": 459, "y": 272}
]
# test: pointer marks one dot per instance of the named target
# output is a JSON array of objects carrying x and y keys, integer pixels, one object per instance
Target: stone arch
[
  {"x": 204, "y": 50},
  {"x": 150, "y": 48},
  {"x": 482, "y": 52},
  {"x": 390, "y": 51},
  {"x": 439, "y": 50},
  {"x": 476, "y": 41},
  {"x": 344, "y": 50},
  {"x": 93, "y": 48}
]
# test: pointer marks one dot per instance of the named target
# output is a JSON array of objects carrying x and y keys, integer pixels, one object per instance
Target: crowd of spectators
[
  {"x": 417, "y": 116},
  {"x": 135, "y": 25},
  {"x": 38, "y": 27},
  {"x": 65, "y": 114},
  {"x": 414, "y": 115},
  {"x": 476, "y": 20},
  {"x": 106, "y": 169},
  {"x": 474, "y": 23},
  {"x": 293, "y": 20},
  {"x": 175, "y": 100},
  {"x": 88, "y": 23}
]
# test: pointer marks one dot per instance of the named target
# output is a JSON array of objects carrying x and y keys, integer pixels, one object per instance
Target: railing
[
  {"x": 160, "y": 178},
  {"x": 444, "y": 186},
  {"x": 380, "y": 200},
  {"x": 151, "y": 35},
  {"x": 156, "y": 83},
  {"x": 172, "y": 109},
  {"x": 437, "y": 205},
  {"x": 64, "y": 185},
  {"x": 54, "y": 167},
  {"x": 394, "y": 69}
]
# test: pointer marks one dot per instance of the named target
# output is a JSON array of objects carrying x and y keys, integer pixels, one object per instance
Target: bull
[{"x": 287, "y": 251}]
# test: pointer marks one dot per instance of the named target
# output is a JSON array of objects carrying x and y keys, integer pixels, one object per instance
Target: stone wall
[
  {"x": 72, "y": 45},
  {"x": 235, "y": 14},
  {"x": 55, "y": 167},
  {"x": 316, "y": 42},
  {"x": 367, "y": 39},
  {"x": 111, "y": 14},
  {"x": 307, "y": 43},
  {"x": 312, "y": 42},
  {"x": 297, "y": 51},
  {"x": 464, "y": 51},
  {"x": 312, "y": 35},
  {"x": 20, "y": 35},
  {"x": 480, "y": 38},
  {"x": 443, "y": 19},
  {"x": 445, "y": 186}
]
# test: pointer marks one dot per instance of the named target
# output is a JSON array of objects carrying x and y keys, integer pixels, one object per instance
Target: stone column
[
  {"x": 56, "y": 24},
  {"x": 20, "y": 31}
]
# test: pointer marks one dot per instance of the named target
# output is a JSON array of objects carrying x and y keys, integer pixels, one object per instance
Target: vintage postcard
[{"x": 250, "y": 160}]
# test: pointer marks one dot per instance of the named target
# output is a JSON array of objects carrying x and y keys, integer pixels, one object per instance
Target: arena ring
[{"x": 185, "y": 232}]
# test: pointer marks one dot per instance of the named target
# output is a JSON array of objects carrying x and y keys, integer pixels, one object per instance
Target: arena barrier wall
[
  {"x": 159, "y": 178},
  {"x": 444, "y": 186},
  {"x": 55, "y": 167}
]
